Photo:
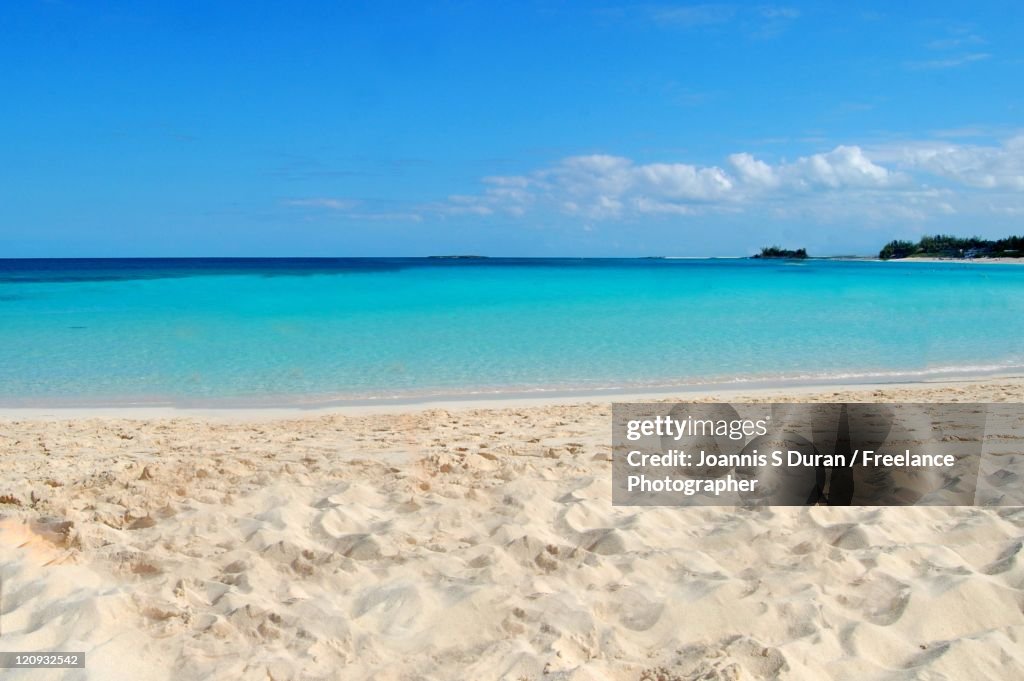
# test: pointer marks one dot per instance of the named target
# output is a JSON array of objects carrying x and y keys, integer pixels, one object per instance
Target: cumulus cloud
[
  {"x": 754, "y": 172},
  {"x": 843, "y": 167},
  {"x": 598, "y": 186},
  {"x": 896, "y": 181},
  {"x": 910, "y": 180},
  {"x": 683, "y": 181},
  {"x": 973, "y": 165}
]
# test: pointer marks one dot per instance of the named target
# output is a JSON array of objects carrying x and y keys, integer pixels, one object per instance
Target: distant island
[
  {"x": 457, "y": 257},
  {"x": 777, "y": 252},
  {"x": 947, "y": 246}
]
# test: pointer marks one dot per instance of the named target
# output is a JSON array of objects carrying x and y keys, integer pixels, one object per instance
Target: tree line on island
[
  {"x": 777, "y": 252},
  {"x": 937, "y": 246},
  {"x": 947, "y": 246}
]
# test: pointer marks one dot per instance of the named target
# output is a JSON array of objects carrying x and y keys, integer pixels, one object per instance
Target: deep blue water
[{"x": 282, "y": 330}]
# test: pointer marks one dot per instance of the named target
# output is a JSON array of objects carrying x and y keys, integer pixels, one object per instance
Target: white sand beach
[
  {"x": 974, "y": 261},
  {"x": 472, "y": 541}
]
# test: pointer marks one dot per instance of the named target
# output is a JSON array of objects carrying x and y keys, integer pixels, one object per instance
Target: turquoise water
[{"x": 225, "y": 331}]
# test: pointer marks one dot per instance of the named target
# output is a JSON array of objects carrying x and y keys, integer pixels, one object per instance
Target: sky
[{"x": 505, "y": 128}]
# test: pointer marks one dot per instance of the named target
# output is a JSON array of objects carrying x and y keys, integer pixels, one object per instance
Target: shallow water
[{"x": 155, "y": 331}]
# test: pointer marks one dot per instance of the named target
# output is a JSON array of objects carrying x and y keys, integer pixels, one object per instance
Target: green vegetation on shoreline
[
  {"x": 947, "y": 246},
  {"x": 777, "y": 252}
]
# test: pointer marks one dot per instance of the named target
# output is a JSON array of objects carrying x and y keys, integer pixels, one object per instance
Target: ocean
[{"x": 319, "y": 331}]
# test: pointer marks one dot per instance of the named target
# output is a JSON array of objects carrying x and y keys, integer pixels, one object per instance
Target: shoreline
[
  {"x": 498, "y": 401},
  {"x": 453, "y": 539},
  {"x": 975, "y": 261}
]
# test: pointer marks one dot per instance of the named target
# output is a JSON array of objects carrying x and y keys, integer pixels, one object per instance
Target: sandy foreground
[{"x": 472, "y": 542}]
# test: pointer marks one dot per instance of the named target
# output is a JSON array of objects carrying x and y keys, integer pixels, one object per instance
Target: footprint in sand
[{"x": 877, "y": 597}]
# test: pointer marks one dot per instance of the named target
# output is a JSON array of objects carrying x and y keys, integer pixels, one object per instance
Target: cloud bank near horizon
[{"x": 912, "y": 180}]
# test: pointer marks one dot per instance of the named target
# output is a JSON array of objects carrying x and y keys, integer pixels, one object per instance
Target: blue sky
[{"x": 499, "y": 128}]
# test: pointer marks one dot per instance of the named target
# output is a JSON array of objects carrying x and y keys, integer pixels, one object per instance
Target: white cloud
[
  {"x": 776, "y": 20},
  {"x": 763, "y": 22},
  {"x": 958, "y": 41},
  {"x": 324, "y": 202},
  {"x": 602, "y": 186},
  {"x": 911, "y": 180},
  {"x": 891, "y": 182},
  {"x": 683, "y": 181},
  {"x": 354, "y": 209},
  {"x": 647, "y": 205},
  {"x": 780, "y": 12},
  {"x": 694, "y": 15},
  {"x": 754, "y": 172},
  {"x": 950, "y": 63},
  {"x": 384, "y": 216},
  {"x": 843, "y": 167},
  {"x": 973, "y": 165}
]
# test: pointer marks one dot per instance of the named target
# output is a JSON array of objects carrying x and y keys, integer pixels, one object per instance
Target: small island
[
  {"x": 783, "y": 253},
  {"x": 951, "y": 247},
  {"x": 457, "y": 257}
]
